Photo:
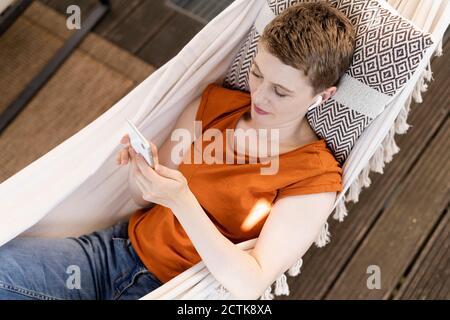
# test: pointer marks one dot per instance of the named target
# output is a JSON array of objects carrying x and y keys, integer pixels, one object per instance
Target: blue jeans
[{"x": 101, "y": 265}]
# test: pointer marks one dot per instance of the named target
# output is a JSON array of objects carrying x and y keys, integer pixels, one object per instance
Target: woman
[{"x": 202, "y": 209}]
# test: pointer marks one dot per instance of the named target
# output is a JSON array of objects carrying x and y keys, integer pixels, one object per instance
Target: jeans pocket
[
  {"x": 124, "y": 260},
  {"x": 137, "y": 286}
]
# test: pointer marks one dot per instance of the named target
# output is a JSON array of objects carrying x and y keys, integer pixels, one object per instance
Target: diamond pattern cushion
[{"x": 388, "y": 51}]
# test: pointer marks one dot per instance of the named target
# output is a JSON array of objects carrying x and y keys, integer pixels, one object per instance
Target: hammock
[{"x": 46, "y": 199}]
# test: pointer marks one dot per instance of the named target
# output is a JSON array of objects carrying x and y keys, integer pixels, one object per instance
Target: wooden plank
[
  {"x": 62, "y": 5},
  {"x": 144, "y": 22},
  {"x": 430, "y": 276},
  {"x": 400, "y": 233},
  {"x": 170, "y": 39},
  {"x": 51, "y": 67},
  {"x": 87, "y": 85},
  {"x": 94, "y": 45},
  {"x": 10, "y": 12},
  {"x": 120, "y": 9},
  {"x": 47, "y": 2},
  {"x": 200, "y": 10},
  {"x": 149, "y": 29},
  {"x": 322, "y": 266}
]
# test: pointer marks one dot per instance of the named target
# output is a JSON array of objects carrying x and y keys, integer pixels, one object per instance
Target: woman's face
[{"x": 279, "y": 90}]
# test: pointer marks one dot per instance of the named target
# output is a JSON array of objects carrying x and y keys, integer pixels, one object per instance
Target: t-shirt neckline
[{"x": 234, "y": 124}]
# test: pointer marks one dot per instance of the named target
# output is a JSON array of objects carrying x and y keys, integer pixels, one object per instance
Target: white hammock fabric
[{"x": 77, "y": 188}]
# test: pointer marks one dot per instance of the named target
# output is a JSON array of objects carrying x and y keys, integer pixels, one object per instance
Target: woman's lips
[{"x": 259, "y": 111}]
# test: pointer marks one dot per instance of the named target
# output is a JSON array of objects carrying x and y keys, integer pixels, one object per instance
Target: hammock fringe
[
  {"x": 295, "y": 269},
  {"x": 341, "y": 210},
  {"x": 324, "y": 236},
  {"x": 281, "y": 286},
  {"x": 268, "y": 295},
  {"x": 438, "y": 52},
  {"x": 219, "y": 293}
]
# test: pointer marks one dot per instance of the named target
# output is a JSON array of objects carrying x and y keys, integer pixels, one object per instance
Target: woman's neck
[{"x": 290, "y": 134}]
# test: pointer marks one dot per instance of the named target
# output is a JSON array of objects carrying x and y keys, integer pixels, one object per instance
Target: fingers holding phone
[
  {"x": 133, "y": 166},
  {"x": 154, "y": 154},
  {"x": 123, "y": 157},
  {"x": 135, "y": 140},
  {"x": 140, "y": 144}
]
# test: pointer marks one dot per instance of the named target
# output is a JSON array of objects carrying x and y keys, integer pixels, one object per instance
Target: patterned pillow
[{"x": 388, "y": 51}]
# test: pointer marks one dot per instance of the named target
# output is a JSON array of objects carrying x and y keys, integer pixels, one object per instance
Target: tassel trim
[
  {"x": 341, "y": 210},
  {"x": 324, "y": 236},
  {"x": 391, "y": 147},
  {"x": 438, "y": 52},
  {"x": 295, "y": 269},
  {"x": 281, "y": 286},
  {"x": 219, "y": 293},
  {"x": 401, "y": 126},
  {"x": 376, "y": 163},
  {"x": 267, "y": 295}
]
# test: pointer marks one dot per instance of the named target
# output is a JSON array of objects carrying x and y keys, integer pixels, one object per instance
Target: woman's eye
[
  {"x": 280, "y": 95},
  {"x": 253, "y": 72}
]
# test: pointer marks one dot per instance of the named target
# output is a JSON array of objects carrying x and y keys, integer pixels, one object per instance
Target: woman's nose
[{"x": 259, "y": 96}]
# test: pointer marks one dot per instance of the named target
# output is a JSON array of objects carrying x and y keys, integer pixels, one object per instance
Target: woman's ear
[
  {"x": 328, "y": 93},
  {"x": 323, "y": 96}
]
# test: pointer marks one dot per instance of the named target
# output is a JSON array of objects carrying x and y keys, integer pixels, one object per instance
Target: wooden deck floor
[
  {"x": 401, "y": 222},
  {"x": 149, "y": 29}
]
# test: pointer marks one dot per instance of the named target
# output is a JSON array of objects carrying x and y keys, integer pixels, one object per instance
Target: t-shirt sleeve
[
  {"x": 217, "y": 101},
  {"x": 328, "y": 181},
  {"x": 204, "y": 114}
]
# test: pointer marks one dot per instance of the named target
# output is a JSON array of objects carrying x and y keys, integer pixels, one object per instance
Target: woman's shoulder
[
  {"x": 314, "y": 170},
  {"x": 224, "y": 99},
  {"x": 217, "y": 100},
  {"x": 313, "y": 158},
  {"x": 221, "y": 90},
  {"x": 326, "y": 156}
]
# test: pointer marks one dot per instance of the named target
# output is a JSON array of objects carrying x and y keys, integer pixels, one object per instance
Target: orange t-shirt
[{"x": 228, "y": 192}]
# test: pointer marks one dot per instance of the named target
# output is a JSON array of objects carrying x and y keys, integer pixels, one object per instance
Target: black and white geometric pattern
[
  {"x": 338, "y": 125},
  {"x": 388, "y": 50},
  {"x": 237, "y": 75}
]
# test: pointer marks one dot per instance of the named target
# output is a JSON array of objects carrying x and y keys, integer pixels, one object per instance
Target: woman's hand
[
  {"x": 123, "y": 156},
  {"x": 161, "y": 185}
]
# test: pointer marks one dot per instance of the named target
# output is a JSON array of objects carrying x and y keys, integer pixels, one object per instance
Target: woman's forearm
[{"x": 235, "y": 269}]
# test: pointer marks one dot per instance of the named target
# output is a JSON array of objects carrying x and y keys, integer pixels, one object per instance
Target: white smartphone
[{"x": 140, "y": 144}]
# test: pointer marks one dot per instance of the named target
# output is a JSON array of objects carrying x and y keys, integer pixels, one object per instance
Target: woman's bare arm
[
  {"x": 292, "y": 226},
  {"x": 185, "y": 121},
  {"x": 290, "y": 229}
]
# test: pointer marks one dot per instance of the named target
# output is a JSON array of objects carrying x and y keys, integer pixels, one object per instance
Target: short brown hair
[{"x": 313, "y": 37}]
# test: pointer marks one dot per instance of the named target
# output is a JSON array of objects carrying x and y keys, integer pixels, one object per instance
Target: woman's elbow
[{"x": 248, "y": 293}]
